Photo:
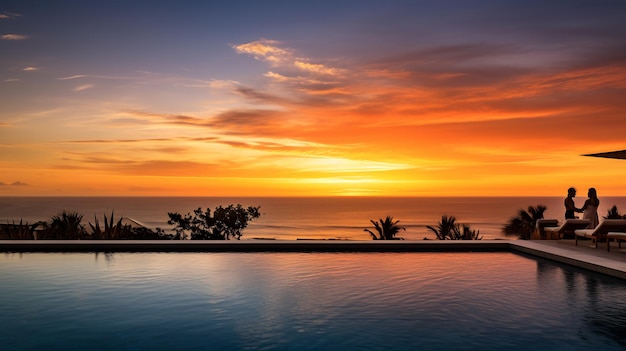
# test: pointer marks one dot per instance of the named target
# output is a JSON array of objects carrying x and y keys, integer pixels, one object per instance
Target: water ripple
[{"x": 279, "y": 301}]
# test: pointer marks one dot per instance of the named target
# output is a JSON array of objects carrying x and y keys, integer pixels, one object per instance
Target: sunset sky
[{"x": 299, "y": 98}]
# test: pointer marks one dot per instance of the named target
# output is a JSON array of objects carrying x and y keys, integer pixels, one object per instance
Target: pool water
[{"x": 305, "y": 301}]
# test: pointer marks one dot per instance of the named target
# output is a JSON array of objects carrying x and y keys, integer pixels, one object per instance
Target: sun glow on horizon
[{"x": 359, "y": 107}]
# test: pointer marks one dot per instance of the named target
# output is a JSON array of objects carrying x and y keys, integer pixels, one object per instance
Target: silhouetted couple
[{"x": 589, "y": 209}]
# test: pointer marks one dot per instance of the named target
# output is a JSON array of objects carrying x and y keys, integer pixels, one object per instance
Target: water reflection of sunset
[{"x": 367, "y": 99}]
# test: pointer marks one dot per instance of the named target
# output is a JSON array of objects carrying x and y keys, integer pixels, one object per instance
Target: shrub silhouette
[{"x": 226, "y": 222}]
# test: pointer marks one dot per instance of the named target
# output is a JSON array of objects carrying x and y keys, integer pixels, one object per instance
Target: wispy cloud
[
  {"x": 97, "y": 76},
  {"x": 83, "y": 87},
  {"x": 290, "y": 158},
  {"x": 14, "y": 37},
  {"x": 230, "y": 122},
  {"x": 30, "y": 69},
  {"x": 289, "y": 67},
  {"x": 263, "y": 97},
  {"x": 220, "y": 84},
  {"x": 317, "y": 68},
  {"x": 129, "y": 166},
  {"x": 487, "y": 89},
  {"x": 345, "y": 165},
  {"x": 265, "y": 50},
  {"x": 212, "y": 84},
  {"x": 9, "y": 80},
  {"x": 277, "y": 76},
  {"x": 77, "y": 76},
  {"x": 122, "y": 141},
  {"x": 8, "y": 15},
  {"x": 164, "y": 118}
]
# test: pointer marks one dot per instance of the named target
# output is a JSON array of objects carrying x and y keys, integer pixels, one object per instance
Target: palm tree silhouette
[
  {"x": 613, "y": 213},
  {"x": 445, "y": 228},
  {"x": 523, "y": 225},
  {"x": 385, "y": 229},
  {"x": 448, "y": 229}
]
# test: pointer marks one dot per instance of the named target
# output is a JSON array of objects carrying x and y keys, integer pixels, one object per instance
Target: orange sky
[{"x": 278, "y": 109}]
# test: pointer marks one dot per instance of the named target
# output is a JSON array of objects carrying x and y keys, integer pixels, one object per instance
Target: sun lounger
[
  {"x": 617, "y": 236},
  {"x": 600, "y": 232},
  {"x": 541, "y": 224},
  {"x": 569, "y": 226}
]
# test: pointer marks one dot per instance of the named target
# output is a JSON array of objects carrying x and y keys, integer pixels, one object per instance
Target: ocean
[{"x": 291, "y": 218}]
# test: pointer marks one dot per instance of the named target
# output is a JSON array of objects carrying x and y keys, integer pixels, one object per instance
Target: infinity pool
[{"x": 305, "y": 301}]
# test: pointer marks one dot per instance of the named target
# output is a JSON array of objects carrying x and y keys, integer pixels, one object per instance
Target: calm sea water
[
  {"x": 292, "y": 218},
  {"x": 305, "y": 301}
]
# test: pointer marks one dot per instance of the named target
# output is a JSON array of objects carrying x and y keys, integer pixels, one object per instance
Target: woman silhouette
[{"x": 590, "y": 208}]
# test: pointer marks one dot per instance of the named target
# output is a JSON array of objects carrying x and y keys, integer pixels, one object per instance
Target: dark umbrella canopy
[{"x": 611, "y": 154}]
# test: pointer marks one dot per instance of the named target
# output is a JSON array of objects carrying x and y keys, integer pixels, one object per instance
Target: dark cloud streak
[{"x": 16, "y": 183}]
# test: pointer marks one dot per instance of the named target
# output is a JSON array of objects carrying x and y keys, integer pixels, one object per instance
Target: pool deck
[{"x": 584, "y": 255}]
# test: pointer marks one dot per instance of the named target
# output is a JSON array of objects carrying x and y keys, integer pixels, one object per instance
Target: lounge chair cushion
[
  {"x": 600, "y": 232},
  {"x": 569, "y": 226},
  {"x": 616, "y": 235}
]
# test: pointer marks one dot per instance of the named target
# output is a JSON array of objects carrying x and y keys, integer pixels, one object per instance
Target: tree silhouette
[
  {"x": 445, "y": 227},
  {"x": 613, "y": 213},
  {"x": 226, "y": 222},
  {"x": 448, "y": 229},
  {"x": 523, "y": 225},
  {"x": 385, "y": 229}
]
